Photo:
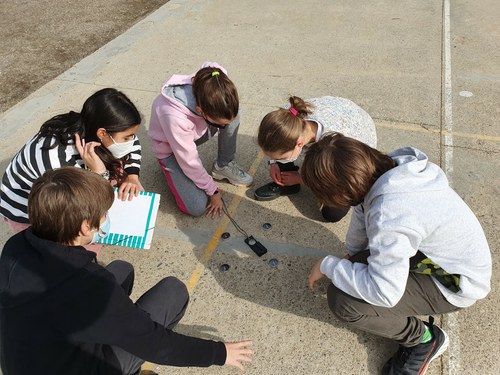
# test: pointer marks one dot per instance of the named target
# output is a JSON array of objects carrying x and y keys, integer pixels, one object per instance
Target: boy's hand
[
  {"x": 214, "y": 207},
  {"x": 238, "y": 352},
  {"x": 130, "y": 187},
  {"x": 315, "y": 274},
  {"x": 275, "y": 173},
  {"x": 291, "y": 178}
]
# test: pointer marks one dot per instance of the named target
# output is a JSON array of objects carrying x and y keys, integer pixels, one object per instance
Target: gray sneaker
[{"x": 233, "y": 173}]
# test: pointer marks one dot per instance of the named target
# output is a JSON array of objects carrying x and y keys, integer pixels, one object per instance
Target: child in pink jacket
[{"x": 189, "y": 111}]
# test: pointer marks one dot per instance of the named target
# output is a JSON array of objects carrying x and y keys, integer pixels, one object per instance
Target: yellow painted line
[
  {"x": 420, "y": 129},
  {"x": 147, "y": 366},
  {"x": 214, "y": 241}
]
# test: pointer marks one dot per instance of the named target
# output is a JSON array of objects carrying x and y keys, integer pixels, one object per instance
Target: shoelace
[{"x": 235, "y": 168}]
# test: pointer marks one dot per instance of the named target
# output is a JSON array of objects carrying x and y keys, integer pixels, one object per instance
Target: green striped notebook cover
[{"x": 133, "y": 222}]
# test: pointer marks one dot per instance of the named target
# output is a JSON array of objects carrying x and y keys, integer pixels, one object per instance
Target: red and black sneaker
[{"x": 416, "y": 359}]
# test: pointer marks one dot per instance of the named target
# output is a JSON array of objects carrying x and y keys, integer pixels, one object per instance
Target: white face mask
[
  {"x": 291, "y": 159},
  {"x": 119, "y": 150}
]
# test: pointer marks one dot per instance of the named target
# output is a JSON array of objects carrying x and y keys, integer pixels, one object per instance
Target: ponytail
[
  {"x": 280, "y": 129},
  {"x": 215, "y": 93}
]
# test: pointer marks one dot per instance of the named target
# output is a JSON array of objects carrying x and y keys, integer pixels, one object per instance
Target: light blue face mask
[{"x": 103, "y": 230}]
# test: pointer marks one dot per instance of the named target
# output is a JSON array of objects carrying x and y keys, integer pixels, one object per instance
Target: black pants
[
  {"x": 330, "y": 214},
  {"x": 165, "y": 302},
  {"x": 399, "y": 323}
]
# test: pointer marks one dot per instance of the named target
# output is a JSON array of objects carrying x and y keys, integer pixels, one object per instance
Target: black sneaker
[
  {"x": 272, "y": 191},
  {"x": 415, "y": 360}
]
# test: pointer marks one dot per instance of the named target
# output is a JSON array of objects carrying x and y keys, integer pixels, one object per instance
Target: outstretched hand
[
  {"x": 238, "y": 352},
  {"x": 88, "y": 155}
]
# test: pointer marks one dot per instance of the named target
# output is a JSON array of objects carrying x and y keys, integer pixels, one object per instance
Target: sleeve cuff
[
  {"x": 328, "y": 265},
  {"x": 132, "y": 170},
  {"x": 220, "y": 355}
]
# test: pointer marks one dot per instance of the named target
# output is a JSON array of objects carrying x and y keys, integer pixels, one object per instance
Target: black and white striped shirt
[{"x": 32, "y": 161}]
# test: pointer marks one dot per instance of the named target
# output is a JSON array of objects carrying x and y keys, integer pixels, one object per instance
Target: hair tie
[
  {"x": 215, "y": 73},
  {"x": 293, "y": 111}
]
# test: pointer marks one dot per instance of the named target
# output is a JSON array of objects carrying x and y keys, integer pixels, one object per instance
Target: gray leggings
[
  {"x": 190, "y": 198},
  {"x": 399, "y": 323}
]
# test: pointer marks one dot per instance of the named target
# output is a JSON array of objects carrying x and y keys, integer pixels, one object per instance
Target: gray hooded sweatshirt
[{"x": 412, "y": 207}]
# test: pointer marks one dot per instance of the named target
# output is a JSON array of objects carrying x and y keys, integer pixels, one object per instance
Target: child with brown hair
[
  {"x": 414, "y": 246},
  {"x": 284, "y": 132},
  {"x": 63, "y": 313},
  {"x": 190, "y": 110}
]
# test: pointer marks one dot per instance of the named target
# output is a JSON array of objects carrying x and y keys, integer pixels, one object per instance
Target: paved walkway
[{"x": 428, "y": 74}]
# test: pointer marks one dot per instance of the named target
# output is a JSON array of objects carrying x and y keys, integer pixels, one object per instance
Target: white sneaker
[{"x": 233, "y": 173}]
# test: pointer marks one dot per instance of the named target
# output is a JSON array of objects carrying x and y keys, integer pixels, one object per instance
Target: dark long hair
[{"x": 107, "y": 108}]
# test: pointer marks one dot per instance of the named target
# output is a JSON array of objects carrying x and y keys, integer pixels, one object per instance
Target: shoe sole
[
  {"x": 266, "y": 199},
  {"x": 221, "y": 178},
  {"x": 440, "y": 351}
]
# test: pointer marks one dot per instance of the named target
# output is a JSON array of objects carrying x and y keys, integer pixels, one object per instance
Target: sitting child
[
  {"x": 62, "y": 313},
  {"x": 101, "y": 138},
  {"x": 189, "y": 111}
]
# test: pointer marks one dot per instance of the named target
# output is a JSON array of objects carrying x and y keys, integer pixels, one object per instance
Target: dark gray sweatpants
[
  {"x": 165, "y": 302},
  {"x": 399, "y": 323}
]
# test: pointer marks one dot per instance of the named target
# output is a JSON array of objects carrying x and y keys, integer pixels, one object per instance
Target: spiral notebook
[{"x": 133, "y": 222}]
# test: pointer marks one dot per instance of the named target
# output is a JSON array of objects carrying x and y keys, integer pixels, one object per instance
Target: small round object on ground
[
  {"x": 274, "y": 263},
  {"x": 267, "y": 226},
  {"x": 225, "y": 235},
  {"x": 224, "y": 267}
]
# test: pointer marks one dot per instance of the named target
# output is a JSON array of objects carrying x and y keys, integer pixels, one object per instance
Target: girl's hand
[
  {"x": 238, "y": 352},
  {"x": 291, "y": 178},
  {"x": 315, "y": 274},
  {"x": 275, "y": 173},
  {"x": 88, "y": 155},
  {"x": 130, "y": 187},
  {"x": 214, "y": 207}
]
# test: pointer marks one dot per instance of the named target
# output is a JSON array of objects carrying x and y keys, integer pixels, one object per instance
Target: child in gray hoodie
[{"x": 414, "y": 246}]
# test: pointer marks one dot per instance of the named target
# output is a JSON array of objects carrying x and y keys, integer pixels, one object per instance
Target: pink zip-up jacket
[{"x": 174, "y": 129}]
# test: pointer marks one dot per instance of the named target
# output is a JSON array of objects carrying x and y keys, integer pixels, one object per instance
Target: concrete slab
[{"x": 385, "y": 56}]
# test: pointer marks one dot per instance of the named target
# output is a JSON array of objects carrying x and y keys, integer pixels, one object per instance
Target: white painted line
[
  {"x": 451, "y": 319},
  {"x": 447, "y": 95}
]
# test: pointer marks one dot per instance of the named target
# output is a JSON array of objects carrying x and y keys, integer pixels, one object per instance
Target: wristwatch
[{"x": 104, "y": 174}]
